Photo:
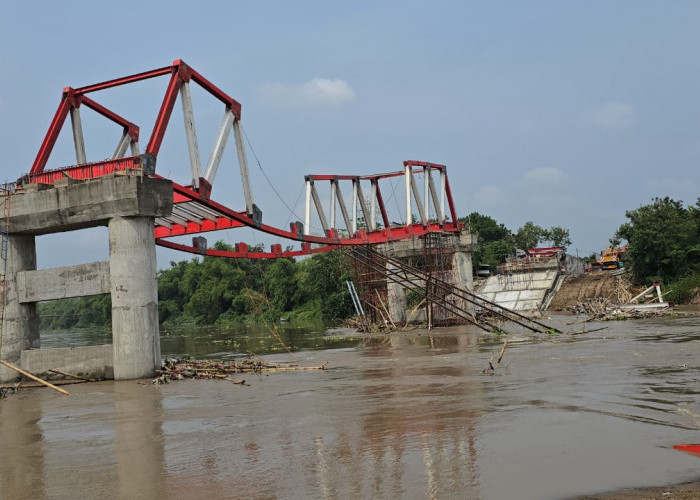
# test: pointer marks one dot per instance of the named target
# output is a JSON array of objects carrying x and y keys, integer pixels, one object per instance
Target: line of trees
[
  {"x": 496, "y": 242},
  {"x": 663, "y": 238},
  {"x": 664, "y": 245},
  {"x": 214, "y": 290}
]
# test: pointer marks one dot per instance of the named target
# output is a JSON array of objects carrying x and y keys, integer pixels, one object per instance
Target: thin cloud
[
  {"x": 681, "y": 186},
  {"x": 610, "y": 115},
  {"x": 489, "y": 195},
  {"x": 545, "y": 176},
  {"x": 318, "y": 92}
]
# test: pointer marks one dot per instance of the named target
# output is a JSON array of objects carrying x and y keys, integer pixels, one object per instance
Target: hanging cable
[
  {"x": 291, "y": 210},
  {"x": 393, "y": 195}
]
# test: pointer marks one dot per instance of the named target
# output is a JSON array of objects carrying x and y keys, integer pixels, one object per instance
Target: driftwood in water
[
  {"x": 33, "y": 377},
  {"x": 178, "y": 369}
]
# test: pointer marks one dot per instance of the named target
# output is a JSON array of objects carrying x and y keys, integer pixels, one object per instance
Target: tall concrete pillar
[
  {"x": 134, "y": 290},
  {"x": 462, "y": 271},
  {"x": 396, "y": 298},
  {"x": 20, "y": 328}
]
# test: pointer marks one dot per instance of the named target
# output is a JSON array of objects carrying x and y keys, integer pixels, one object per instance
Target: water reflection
[
  {"x": 220, "y": 341},
  {"x": 21, "y": 449},
  {"x": 406, "y": 416},
  {"x": 83, "y": 445}
]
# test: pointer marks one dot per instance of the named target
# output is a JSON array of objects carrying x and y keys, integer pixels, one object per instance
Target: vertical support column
[
  {"x": 134, "y": 289},
  {"x": 373, "y": 207},
  {"x": 332, "y": 210},
  {"x": 443, "y": 188},
  {"x": 20, "y": 327},
  {"x": 462, "y": 272},
  {"x": 307, "y": 218},
  {"x": 396, "y": 298},
  {"x": 191, "y": 133},
  {"x": 122, "y": 146},
  {"x": 78, "y": 139},
  {"x": 426, "y": 192},
  {"x": 407, "y": 178},
  {"x": 243, "y": 165},
  {"x": 354, "y": 205},
  {"x": 219, "y": 146}
]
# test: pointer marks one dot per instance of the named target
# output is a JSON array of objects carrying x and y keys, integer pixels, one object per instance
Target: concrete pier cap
[{"x": 128, "y": 206}]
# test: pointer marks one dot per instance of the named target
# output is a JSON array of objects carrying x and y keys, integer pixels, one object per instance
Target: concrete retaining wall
[
  {"x": 63, "y": 282},
  {"x": 89, "y": 361},
  {"x": 522, "y": 291}
]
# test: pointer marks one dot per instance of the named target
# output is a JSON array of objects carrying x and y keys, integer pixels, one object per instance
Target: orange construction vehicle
[{"x": 611, "y": 257}]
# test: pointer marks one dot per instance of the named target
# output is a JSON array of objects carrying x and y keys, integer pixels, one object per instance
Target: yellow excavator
[{"x": 612, "y": 257}]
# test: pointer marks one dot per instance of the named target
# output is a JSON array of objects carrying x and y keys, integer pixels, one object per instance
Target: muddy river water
[{"x": 412, "y": 415}]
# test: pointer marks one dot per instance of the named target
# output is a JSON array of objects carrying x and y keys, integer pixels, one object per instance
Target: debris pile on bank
[
  {"x": 602, "y": 309},
  {"x": 182, "y": 368}
]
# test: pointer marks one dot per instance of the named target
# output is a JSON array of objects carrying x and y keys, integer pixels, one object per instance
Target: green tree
[
  {"x": 529, "y": 235},
  {"x": 558, "y": 236},
  {"x": 495, "y": 241},
  {"x": 495, "y": 253},
  {"x": 485, "y": 227},
  {"x": 282, "y": 285},
  {"x": 324, "y": 277},
  {"x": 664, "y": 239}
]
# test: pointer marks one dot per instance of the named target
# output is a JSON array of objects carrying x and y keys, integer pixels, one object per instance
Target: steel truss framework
[{"x": 194, "y": 212}]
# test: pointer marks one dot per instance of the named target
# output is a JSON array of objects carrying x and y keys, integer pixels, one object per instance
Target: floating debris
[
  {"x": 9, "y": 390},
  {"x": 182, "y": 368}
]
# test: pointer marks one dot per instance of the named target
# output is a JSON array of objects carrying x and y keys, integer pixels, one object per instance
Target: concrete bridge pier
[
  {"x": 128, "y": 206},
  {"x": 20, "y": 328},
  {"x": 396, "y": 298},
  {"x": 134, "y": 290},
  {"x": 454, "y": 254}
]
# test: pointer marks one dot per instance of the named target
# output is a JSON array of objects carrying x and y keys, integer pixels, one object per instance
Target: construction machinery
[{"x": 611, "y": 258}]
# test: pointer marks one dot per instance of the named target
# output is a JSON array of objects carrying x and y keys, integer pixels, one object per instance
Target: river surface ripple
[{"x": 408, "y": 416}]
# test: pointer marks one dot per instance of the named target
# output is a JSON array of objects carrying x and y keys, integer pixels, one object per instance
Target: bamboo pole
[
  {"x": 29, "y": 375},
  {"x": 503, "y": 350}
]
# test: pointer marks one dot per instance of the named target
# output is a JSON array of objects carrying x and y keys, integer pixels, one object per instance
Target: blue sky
[{"x": 561, "y": 113}]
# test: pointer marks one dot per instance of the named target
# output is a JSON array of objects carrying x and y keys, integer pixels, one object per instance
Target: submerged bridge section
[{"x": 141, "y": 209}]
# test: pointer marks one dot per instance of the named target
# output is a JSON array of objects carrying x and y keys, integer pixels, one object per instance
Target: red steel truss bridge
[{"x": 195, "y": 212}]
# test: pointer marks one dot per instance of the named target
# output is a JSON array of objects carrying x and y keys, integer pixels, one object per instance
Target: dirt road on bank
[{"x": 579, "y": 287}]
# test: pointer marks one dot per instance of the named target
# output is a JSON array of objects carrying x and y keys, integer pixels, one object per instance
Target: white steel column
[
  {"x": 307, "y": 220},
  {"x": 319, "y": 209},
  {"x": 407, "y": 178},
  {"x": 443, "y": 183},
  {"x": 363, "y": 203},
  {"x": 426, "y": 192},
  {"x": 191, "y": 133},
  {"x": 333, "y": 196},
  {"x": 354, "y": 205},
  {"x": 373, "y": 207},
  {"x": 343, "y": 208},
  {"x": 219, "y": 145},
  {"x": 439, "y": 213},
  {"x": 122, "y": 146},
  {"x": 243, "y": 164},
  {"x": 78, "y": 138},
  {"x": 416, "y": 195}
]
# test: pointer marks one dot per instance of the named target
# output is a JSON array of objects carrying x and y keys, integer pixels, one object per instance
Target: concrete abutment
[{"x": 128, "y": 206}]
